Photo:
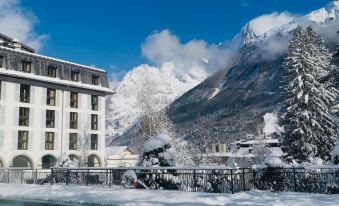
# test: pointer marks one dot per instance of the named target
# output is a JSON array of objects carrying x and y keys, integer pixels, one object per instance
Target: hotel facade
[{"x": 49, "y": 109}]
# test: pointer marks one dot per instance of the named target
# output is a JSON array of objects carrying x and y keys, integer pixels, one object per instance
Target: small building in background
[
  {"x": 120, "y": 156},
  {"x": 244, "y": 151}
]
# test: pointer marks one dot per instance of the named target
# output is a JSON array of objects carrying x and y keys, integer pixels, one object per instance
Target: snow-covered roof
[
  {"x": 261, "y": 141},
  {"x": 54, "y": 80},
  {"x": 114, "y": 150},
  {"x": 52, "y": 59}
]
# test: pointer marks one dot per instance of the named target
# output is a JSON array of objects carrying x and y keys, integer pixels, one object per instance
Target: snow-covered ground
[{"x": 114, "y": 196}]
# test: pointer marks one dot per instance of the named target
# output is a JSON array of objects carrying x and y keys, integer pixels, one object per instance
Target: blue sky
[{"x": 108, "y": 34}]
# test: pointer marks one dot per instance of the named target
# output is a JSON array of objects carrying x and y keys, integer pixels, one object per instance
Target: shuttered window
[
  {"x": 23, "y": 116},
  {"x": 22, "y": 140},
  {"x": 25, "y": 91},
  {"x": 73, "y": 141},
  {"x": 50, "y": 118},
  {"x": 95, "y": 80},
  {"x": 95, "y": 102},
  {"x": 73, "y": 122},
  {"x": 52, "y": 71},
  {"x": 74, "y": 100},
  {"x": 94, "y": 142},
  {"x": 51, "y": 94},
  {"x": 94, "y": 122},
  {"x": 26, "y": 66},
  {"x": 49, "y": 141}
]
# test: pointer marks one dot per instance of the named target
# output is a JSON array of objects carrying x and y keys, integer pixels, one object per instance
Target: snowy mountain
[
  {"x": 170, "y": 82},
  {"x": 323, "y": 21},
  {"x": 231, "y": 104}
]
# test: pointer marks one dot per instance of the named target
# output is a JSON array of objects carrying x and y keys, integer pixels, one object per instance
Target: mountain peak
[{"x": 248, "y": 33}]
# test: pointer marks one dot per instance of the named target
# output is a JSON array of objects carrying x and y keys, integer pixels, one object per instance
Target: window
[
  {"x": 94, "y": 141},
  {"x": 94, "y": 122},
  {"x": 73, "y": 123},
  {"x": 95, "y": 102},
  {"x": 50, "y": 118},
  {"x": 25, "y": 91},
  {"x": 2, "y": 62},
  {"x": 51, "y": 71},
  {"x": 74, "y": 100},
  {"x": 23, "y": 116},
  {"x": 51, "y": 97},
  {"x": 73, "y": 141},
  {"x": 49, "y": 141},
  {"x": 75, "y": 76},
  {"x": 26, "y": 66},
  {"x": 95, "y": 80},
  {"x": 22, "y": 140}
]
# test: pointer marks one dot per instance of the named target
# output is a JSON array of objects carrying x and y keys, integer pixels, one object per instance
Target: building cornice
[{"x": 50, "y": 80}]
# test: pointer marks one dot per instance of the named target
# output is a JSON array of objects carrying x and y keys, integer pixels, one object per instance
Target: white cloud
[
  {"x": 266, "y": 22},
  {"x": 163, "y": 46},
  {"x": 19, "y": 23}
]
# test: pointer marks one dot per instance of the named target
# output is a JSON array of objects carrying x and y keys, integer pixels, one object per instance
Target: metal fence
[
  {"x": 217, "y": 180},
  {"x": 23, "y": 176}
]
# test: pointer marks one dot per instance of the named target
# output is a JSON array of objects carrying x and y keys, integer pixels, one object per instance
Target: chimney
[{"x": 16, "y": 44}]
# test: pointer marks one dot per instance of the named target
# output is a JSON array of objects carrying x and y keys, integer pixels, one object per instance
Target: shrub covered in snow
[
  {"x": 129, "y": 179},
  {"x": 66, "y": 162},
  {"x": 273, "y": 161},
  {"x": 158, "y": 152}
]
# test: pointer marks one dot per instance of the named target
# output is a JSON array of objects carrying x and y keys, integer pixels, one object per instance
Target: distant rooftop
[{"x": 9, "y": 42}]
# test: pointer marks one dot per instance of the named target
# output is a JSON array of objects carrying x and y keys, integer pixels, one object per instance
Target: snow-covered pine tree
[
  {"x": 336, "y": 54},
  {"x": 309, "y": 130}
]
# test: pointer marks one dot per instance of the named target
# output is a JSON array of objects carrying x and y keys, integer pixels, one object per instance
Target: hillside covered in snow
[
  {"x": 170, "y": 82},
  {"x": 230, "y": 103}
]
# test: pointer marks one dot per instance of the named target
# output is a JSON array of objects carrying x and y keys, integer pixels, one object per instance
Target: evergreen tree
[
  {"x": 336, "y": 55},
  {"x": 309, "y": 130}
]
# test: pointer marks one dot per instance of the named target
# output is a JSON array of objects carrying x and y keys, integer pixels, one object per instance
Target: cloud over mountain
[
  {"x": 266, "y": 22},
  {"x": 164, "y": 46}
]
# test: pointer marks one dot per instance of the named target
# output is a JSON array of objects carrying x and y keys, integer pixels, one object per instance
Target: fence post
[
  {"x": 8, "y": 176},
  {"x": 243, "y": 179},
  {"x": 254, "y": 179},
  {"x": 106, "y": 179},
  {"x": 67, "y": 176},
  {"x": 36, "y": 176},
  {"x": 21, "y": 175},
  {"x": 295, "y": 180},
  {"x": 52, "y": 175},
  {"x": 87, "y": 177},
  {"x": 194, "y": 180},
  {"x": 232, "y": 185}
]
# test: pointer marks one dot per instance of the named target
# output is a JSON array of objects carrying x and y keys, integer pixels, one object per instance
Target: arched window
[
  {"x": 93, "y": 161},
  {"x": 22, "y": 161},
  {"x": 48, "y": 161}
]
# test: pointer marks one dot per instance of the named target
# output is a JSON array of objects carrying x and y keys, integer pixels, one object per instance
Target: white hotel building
[{"x": 49, "y": 108}]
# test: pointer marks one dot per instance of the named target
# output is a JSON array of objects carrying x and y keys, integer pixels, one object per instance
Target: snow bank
[
  {"x": 271, "y": 124},
  {"x": 273, "y": 161},
  {"x": 156, "y": 142},
  {"x": 317, "y": 161},
  {"x": 114, "y": 196}
]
